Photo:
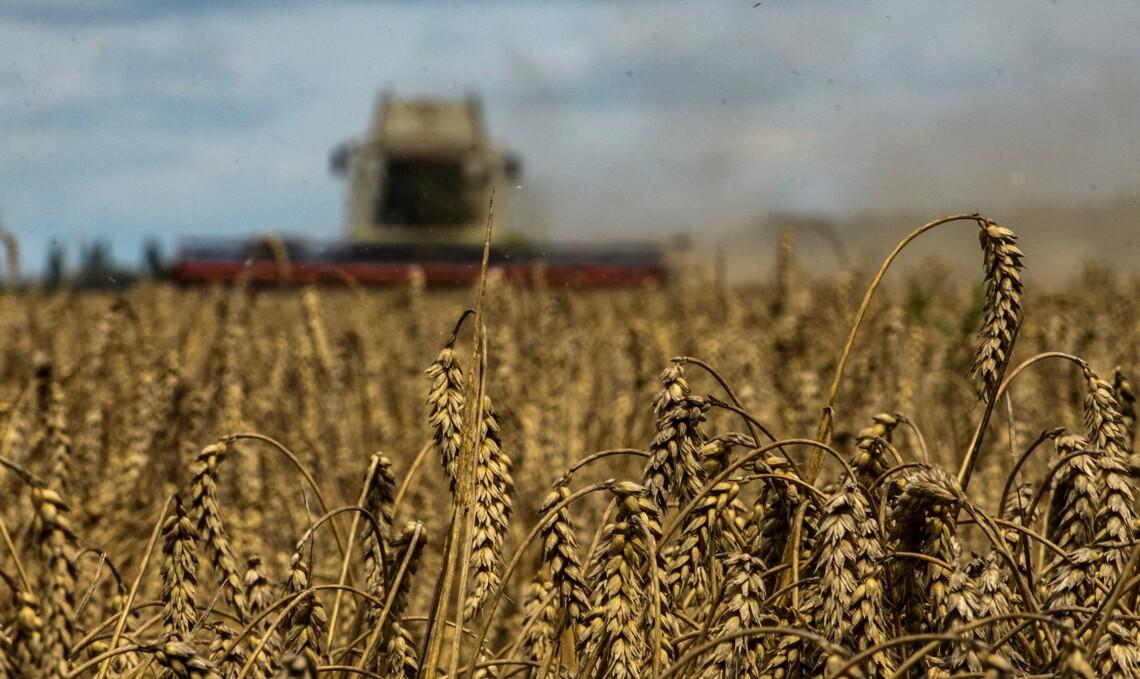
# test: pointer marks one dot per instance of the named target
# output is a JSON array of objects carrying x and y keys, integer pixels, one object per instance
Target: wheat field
[{"x": 677, "y": 481}]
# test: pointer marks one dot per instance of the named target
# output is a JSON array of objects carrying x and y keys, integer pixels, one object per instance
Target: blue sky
[{"x": 124, "y": 120}]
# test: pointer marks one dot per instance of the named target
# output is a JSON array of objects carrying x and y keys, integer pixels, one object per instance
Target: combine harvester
[{"x": 419, "y": 189}]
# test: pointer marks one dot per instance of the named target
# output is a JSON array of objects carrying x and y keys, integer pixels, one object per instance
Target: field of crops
[{"x": 682, "y": 481}]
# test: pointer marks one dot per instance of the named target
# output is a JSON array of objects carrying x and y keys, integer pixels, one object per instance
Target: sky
[{"x": 126, "y": 121}]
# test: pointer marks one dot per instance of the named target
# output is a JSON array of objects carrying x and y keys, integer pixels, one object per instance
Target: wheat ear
[
  {"x": 179, "y": 573},
  {"x": 560, "y": 553},
  {"x": 848, "y": 562},
  {"x": 307, "y": 623},
  {"x": 445, "y": 410},
  {"x": 204, "y": 489},
  {"x": 744, "y": 593},
  {"x": 923, "y": 521},
  {"x": 673, "y": 468},
  {"x": 1074, "y": 503},
  {"x": 493, "y": 489},
  {"x": 871, "y": 458},
  {"x": 1116, "y": 512},
  {"x": 1122, "y": 388},
  {"x": 55, "y": 539},
  {"x": 401, "y": 658},
  {"x": 183, "y": 662},
  {"x": 614, "y": 639},
  {"x": 1002, "y": 309}
]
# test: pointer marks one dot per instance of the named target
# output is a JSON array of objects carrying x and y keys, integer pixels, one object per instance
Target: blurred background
[{"x": 709, "y": 123}]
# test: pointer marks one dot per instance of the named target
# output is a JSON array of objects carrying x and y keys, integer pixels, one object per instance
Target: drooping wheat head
[
  {"x": 561, "y": 555},
  {"x": 211, "y": 528},
  {"x": 401, "y": 657},
  {"x": 1116, "y": 510},
  {"x": 871, "y": 458},
  {"x": 922, "y": 520},
  {"x": 744, "y": 593},
  {"x": 614, "y": 640},
  {"x": 849, "y": 564}
]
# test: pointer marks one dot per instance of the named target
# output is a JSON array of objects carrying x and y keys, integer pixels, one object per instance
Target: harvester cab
[{"x": 423, "y": 173}]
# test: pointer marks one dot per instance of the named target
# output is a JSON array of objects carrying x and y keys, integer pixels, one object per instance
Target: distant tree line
[{"x": 97, "y": 270}]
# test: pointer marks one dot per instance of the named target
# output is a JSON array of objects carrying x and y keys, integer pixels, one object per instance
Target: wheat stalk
[{"x": 400, "y": 657}]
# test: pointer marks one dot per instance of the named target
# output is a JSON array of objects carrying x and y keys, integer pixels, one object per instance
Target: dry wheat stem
[
  {"x": 462, "y": 518},
  {"x": 135, "y": 585},
  {"x": 296, "y": 462},
  {"x": 417, "y": 462},
  {"x": 520, "y": 552},
  {"x": 343, "y": 577},
  {"x": 833, "y": 391},
  {"x": 699, "y": 650},
  {"x": 1045, "y": 435},
  {"x": 286, "y": 605}
]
